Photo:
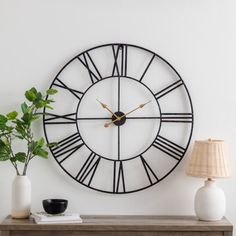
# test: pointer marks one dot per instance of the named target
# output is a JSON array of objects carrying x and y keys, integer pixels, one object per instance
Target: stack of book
[{"x": 65, "y": 218}]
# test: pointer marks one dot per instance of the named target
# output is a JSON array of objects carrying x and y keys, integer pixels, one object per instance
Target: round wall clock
[{"x": 122, "y": 118}]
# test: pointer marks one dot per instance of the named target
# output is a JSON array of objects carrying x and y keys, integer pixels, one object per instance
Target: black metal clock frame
[{"x": 120, "y": 69}]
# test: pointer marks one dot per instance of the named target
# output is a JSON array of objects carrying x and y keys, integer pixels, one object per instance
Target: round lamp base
[{"x": 209, "y": 202}]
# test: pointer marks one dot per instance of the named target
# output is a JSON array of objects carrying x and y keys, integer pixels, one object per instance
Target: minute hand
[{"x": 140, "y": 106}]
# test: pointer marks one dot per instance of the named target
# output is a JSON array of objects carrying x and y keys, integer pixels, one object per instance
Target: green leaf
[
  {"x": 40, "y": 104},
  {"x": 9, "y": 129},
  {"x": 24, "y": 107},
  {"x": 32, "y": 146},
  {"x": 35, "y": 117},
  {"x": 13, "y": 159},
  {"x": 4, "y": 156},
  {"x": 48, "y": 101},
  {"x": 20, "y": 128},
  {"x": 42, "y": 153},
  {"x": 12, "y": 115},
  {"x": 2, "y": 144},
  {"x": 27, "y": 118},
  {"x": 31, "y": 94},
  {"x": 40, "y": 142},
  {"x": 20, "y": 156},
  {"x": 51, "y": 91},
  {"x": 3, "y": 121},
  {"x": 53, "y": 144},
  {"x": 19, "y": 136},
  {"x": 49, "y": 107},
  {"x": 4, "y": 151}
]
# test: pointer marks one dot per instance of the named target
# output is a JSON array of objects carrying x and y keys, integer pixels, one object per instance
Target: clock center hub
[{"x": 121, "y": 121}]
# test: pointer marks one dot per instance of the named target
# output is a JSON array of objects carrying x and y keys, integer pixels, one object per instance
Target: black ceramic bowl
[{"x": 55, "y": 206}]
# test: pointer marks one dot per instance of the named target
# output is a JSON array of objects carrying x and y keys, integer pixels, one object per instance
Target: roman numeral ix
[{"x": 60, "y": 119}]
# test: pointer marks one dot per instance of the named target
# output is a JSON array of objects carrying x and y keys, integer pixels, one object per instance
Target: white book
[
  {"x": 58, "y": 222},
  {"x": 44, "y": 217}
]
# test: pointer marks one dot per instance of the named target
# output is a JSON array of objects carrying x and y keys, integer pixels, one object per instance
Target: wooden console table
[{"x": 121, "y": 226}]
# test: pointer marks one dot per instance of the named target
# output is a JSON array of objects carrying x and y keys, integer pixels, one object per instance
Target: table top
[{"x": 123, "y": 222}]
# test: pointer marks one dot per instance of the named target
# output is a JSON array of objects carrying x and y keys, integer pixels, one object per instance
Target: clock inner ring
[{"x": 121, "y": 120}]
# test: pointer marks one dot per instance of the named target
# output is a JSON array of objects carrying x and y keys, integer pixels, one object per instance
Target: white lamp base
[{"x": 209, "y": 202}]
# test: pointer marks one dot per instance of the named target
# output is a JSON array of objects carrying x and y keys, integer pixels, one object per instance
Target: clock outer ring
[{"x": 189, "y": 98}]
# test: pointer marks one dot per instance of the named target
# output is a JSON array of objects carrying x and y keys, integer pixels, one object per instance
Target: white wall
[{"x": 197, "y": 37}]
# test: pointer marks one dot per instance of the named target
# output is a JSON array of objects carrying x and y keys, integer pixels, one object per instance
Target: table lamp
[{"x": 209, "y": 160}]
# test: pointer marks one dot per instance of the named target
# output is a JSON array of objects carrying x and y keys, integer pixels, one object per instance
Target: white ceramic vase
[
  {"x": 210, "y": 202},
  {"x": 21, "y": 197}
]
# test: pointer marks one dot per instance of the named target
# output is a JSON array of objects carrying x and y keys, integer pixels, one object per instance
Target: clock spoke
[
  {"x": 143, "y": 117},
  {"x": 93, "y": 118},
  {"x": 118, "y": 142},
  {"x": 118, "y": 93}
]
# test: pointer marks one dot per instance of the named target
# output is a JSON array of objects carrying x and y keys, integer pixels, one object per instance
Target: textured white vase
[
  {"x": 210, "y": 202},
  {"x": 21, "y": 197}
]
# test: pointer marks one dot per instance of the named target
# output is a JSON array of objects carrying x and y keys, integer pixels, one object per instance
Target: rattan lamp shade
[{"x": 209, "y": 160}]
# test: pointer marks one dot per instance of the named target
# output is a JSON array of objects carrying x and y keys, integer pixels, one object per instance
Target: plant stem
[{"x": 12, "y": 155}]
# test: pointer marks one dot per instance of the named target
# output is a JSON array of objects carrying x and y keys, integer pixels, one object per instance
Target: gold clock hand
[
  {"x": 107, "y": 108},
  {"x": 140, "y": 106}
]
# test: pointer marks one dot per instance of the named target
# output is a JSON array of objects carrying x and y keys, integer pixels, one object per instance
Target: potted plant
[{"x": 13, "y": 127}]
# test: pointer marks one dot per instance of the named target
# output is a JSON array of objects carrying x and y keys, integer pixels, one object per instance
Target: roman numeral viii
[
  {"x": 120, "y": 53},
  {"x": 67, "y": 146},
  {"x": 169, "y": 147}
]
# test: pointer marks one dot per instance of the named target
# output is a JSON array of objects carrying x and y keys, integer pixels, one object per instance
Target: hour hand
[{"x": 107, "y": 108}]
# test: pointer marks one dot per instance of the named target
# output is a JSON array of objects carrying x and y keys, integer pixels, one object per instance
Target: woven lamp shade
[{"x": 209, "y": 160}]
